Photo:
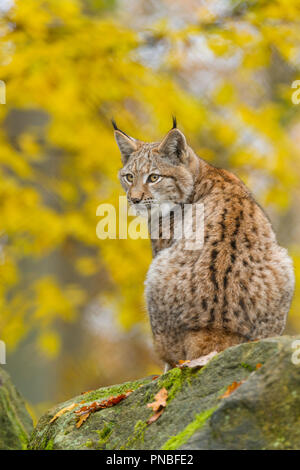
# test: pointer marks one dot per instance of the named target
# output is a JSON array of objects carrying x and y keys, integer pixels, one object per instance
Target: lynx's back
[{"x": 238, "y": 287}]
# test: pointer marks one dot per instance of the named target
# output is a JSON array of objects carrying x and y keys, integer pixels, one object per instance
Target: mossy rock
[
  {"x": 262, "y": 413},
  {"x": 15, "y": 422}
]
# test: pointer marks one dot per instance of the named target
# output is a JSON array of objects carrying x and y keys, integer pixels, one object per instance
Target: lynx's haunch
[{"x": 239, "y": 286}]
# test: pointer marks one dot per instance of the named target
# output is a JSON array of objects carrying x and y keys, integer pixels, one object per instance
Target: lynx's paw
[
  {"x": 198, "y": 362},
  {"x": 167, "y": 367}
]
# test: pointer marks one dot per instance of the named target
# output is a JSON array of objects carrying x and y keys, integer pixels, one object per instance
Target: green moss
[
  {"x": 112, "y": 391},
  {"x": 247, "y": 366},
  {"x": 89, "y": 443},
  {"x": 11, "y": 410},
  {"x": 49, "y": 445},
  {"x": 176, "y": 442},
  {"x": 46, "y": 443},
  {"x": 138, "y": 434},
  {"x": 104, "y": 435},
  {"x": 173, "y": 381},
  {"x": 23, "y": 439}
]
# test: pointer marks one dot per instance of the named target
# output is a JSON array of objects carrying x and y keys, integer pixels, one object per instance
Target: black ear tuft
[
  {"x": 117, "y": 129},
  {"x": 114, "y": 125},
  {"x": 174, "y": 122}
]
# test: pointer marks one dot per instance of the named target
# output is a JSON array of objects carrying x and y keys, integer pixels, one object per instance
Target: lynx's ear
[
  {"x": 126, "y": 144},
  {"x": 173, "y": 146}
]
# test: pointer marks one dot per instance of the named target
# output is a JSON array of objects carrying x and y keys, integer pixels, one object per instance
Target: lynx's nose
[
  {"x": 136, "y": 200},
  {"x": 136, "y": 194}
]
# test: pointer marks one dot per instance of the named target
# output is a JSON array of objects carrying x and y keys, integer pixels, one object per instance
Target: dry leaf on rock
[
  {"x": 231, "y": 388},
  {"x": 84, "y": 412},
  {"x": 62, "y": 411},
  {"x": 160, "y": 400},
  {"x": 82, "y": 419},
  {"x": 159, "y": 404},
  {"x": 199, "y": 362},
  {"x": 154, "y": 417}
]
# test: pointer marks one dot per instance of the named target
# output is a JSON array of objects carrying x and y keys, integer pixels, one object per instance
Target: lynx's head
[{"x": 157, "y": 172}]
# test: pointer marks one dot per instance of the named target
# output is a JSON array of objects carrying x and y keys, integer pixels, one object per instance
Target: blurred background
[{"x": 72, "y": 312}]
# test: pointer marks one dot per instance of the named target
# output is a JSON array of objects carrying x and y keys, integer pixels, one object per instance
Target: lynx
[{"x": 239, "y": 286}]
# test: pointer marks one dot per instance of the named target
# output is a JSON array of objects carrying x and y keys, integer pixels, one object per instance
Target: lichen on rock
[
  {"x": 263, "y": 413},
  {"x": 15, "y": 422}
]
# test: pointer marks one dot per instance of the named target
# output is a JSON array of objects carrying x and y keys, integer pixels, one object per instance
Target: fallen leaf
[
  {"x": 160, "y": 400},
  {"x": 82, "y": 419},
  {"x": 87, "y": 408},
  {"x": 62, "y": 411},
  {"x": 88, "y": 391},
  {"x": 183, "y": 361},
  {"x": 159, "y": 404},
  {"x": 84, "y": 412},
  {"x": 231, "y": 388},
  {"x": 154, "y": 417},
  {"x": 258, "y": 366},
  {"x": 155, "y": 377},
  {"x": 199, "y": 362}
]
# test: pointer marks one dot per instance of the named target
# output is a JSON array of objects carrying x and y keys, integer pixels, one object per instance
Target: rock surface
[
  {"x": 262, "y": 413},
  {"x": 15, "y": 422}
]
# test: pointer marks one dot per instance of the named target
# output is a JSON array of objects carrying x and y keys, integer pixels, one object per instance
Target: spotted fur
[{"x": 239, "y": 286}]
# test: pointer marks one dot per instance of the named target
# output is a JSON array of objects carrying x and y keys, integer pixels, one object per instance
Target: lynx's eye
[
  {"x": 153, "y": 178},
  {"x": 129, "y": 177}
]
